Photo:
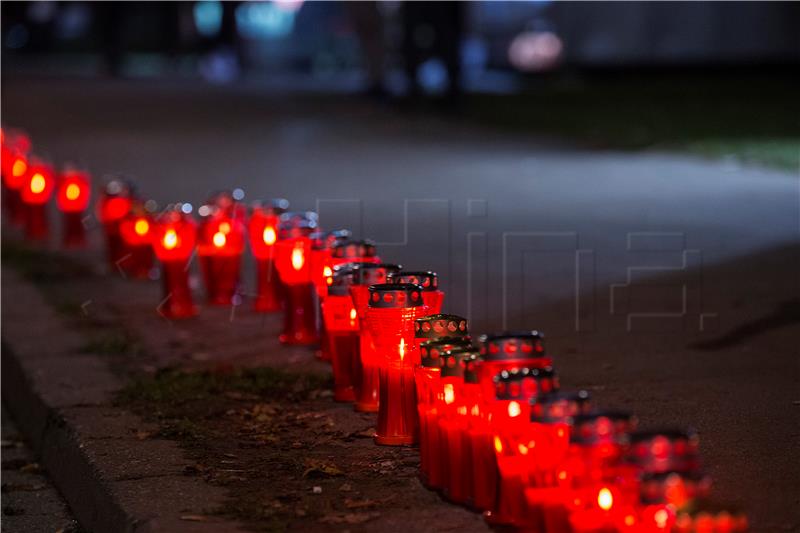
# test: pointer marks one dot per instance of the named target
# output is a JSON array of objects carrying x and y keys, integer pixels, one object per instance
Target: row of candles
[{"x": 495, "y": 430}]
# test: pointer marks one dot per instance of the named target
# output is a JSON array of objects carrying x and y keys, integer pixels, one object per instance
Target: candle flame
[
  {"x": 327, "y": 272},
  {"x": 605, "y": 500},
  {"x": 170, "y": 240},
  {"x": 514, "y": 409},
  {"x": 19, "y": 168},
  {"x": 402, "y": 348},
  {"x": 298, "y": 259},
  {"x": 225, "y": 227},
  {"x": 141, "y": 227},
  {"x": 353, "y": 314},
  {"x": 219, "y": 239},
  {"x": 73, "y": 191},
  {"x": 269, "y": 235},
  {"x": 37, "y": 183},
  {"x": 498, "y": 444},
  {"x": 449, "y": 394}
]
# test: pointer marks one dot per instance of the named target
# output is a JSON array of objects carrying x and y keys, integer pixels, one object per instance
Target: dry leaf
[
  {"x": 318, "y": 466},
  {"x": 195, "y": 518}
]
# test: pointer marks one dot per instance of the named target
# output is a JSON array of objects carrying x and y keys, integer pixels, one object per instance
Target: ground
[{"x": 665, "y": 284}]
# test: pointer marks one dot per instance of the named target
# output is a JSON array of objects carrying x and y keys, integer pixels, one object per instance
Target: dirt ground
[{"x": 292, "y": 458}]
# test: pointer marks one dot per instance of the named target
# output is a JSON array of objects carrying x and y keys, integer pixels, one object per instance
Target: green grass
[
  {"x": 750, "y": 119},
  {"x": 173, "y": 387},
  {"x": 43, "y": 267}
]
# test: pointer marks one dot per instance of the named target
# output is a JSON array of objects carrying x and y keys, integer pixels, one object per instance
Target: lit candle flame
[
  {"x": 514, "y": 409},
  {"x": 353, "y": 314},
  {"x": 269, "y": 235},
  {"x": 298, "y": 258},
  {"x": 402, "y": 348},
  {"x": 170, "y": 240},
  {"x": 605, "y": 500},
  {"x": 73, "y": 191},
  {"x": 37, "y": 183},
  {"x": 449, "y": 394},
  {"x": 219, "y": 239},
  {"x": 141, "y": 227},
  {"x": 19, "y": 168}
]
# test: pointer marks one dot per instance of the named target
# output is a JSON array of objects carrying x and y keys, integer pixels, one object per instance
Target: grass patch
[
  {"x": 173, "y": 387},
  {"x": 752, "y": 119},
  {"x": 43, "y": 267},
  {"x": 119, "y": 342}
]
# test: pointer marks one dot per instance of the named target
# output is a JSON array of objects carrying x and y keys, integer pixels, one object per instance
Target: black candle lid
[
  {"x": 599, "y": 427},
  {"x": 453, "y": 361},
  {"x": 120, "y": 187},
  {"x": 395, "y": 295},
  {"x": 432, "y": 351},
  {"x": 471, "y": 366},
  {"x": 373, "y": 273},
  {"x": 352, "y": 249},
  {"x": 698, "y": 515},
  {"x": 429, "y": 281},
  {"x": 512, "y": 346},
  {"x": 662, "y": 450},
  {"x": 440, "y": 326},
  {"x": 655, "y": 488},
  {"x": 559, "y": 407},
  {"x": 323, "y": 240},
  {"x": 341, "y": 280},
  {"x": 274, "y": 206},
  {"x": 524, "y": 383}
]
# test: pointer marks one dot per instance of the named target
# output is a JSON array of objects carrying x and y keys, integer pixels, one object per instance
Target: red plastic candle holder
[
  {"x": 427, "y": 377},
  {"x": 514, "y": 389},
  {"x": 263, "y": 233},
  {"x": 116, "y": 200},
  {"x": 72, "y": 198},
  {"x": 341, "y": 322},
  {"x": 292, "y": 252},
  {"x": 220, "y": 246},
  {"x": 367, "y": 384},
  {"x": 708, "y": 516},
  {"x": 321, "y": 272},
  {"x": 509, "y": 350},
  {"x": 136, "y": 231},
  {"x": 429, "y": 281},
  {"x": 390, "y": 317},
  {"x": 35, "y": 193},
  {"x": 14, "y": 166},
  {"x": 453, "y": 423},
  {"x": 174, "y": 240},
  {"x": 547, "y": 438}
]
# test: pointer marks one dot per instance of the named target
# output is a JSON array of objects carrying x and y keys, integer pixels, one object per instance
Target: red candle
[
  {"x": 321, "y": 272},
  {"x": 506, "y": 351},
  {"x": 452, "y": 329},
  {"x": 367, "y": 384},
  {"x": 116, "y": 201},
  {"x": 549, "y": 430},
  {"x": 136, "y": 231},
  {"x": 514, "y": 389},
  {"x": 291, "y": 259},
  {"x": 453, "y": 423},
  {"x": 341, "y": 322},
  {"x": 15, "y": 148},
  {"x": 220, "y": 245},
  {"x": 709, "y": 516},
  {"x": 429, "y": 281},
  {"x": 263, "y": 232},
  {"x": 390, "y": 316},
  {"x": 35, "y": 193},
  {"x": 433, "y": 464},
  {"x": 174, "y": 239},
  {"x": 72, "y": 197}
]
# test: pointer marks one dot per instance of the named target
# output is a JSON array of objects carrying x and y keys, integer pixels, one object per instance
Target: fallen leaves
[
  {"x": 320, "y": 467},
  {"x": 349, "y": 518}
]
